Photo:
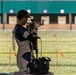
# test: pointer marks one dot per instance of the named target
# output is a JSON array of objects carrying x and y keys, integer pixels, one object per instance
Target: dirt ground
[{"x": 45, "y": 27}]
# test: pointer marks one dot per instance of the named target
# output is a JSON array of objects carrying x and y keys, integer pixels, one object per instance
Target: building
[{"x": 57, "y": 14}]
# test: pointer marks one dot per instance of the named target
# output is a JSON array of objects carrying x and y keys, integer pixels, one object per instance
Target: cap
[{"x": 22, "y": 13}]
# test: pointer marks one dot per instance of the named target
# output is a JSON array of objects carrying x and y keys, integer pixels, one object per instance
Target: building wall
[
  {"x": 39, "y": 6},
  {"x": 53, "y": 8},
  {"x": 1, "y": 7}
]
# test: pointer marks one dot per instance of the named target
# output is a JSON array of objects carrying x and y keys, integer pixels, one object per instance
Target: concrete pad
[
  {"x": 4, "y": 74},
  {"x": 23, "y": 73}
]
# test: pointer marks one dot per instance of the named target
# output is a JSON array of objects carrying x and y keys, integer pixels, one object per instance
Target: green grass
[{"x": 65, "y": 42}]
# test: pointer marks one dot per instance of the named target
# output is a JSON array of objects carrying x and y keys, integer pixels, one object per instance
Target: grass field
[{"x": 60, "y": 46}]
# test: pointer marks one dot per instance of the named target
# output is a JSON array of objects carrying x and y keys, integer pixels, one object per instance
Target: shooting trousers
[{"x": 21, "y": 62}]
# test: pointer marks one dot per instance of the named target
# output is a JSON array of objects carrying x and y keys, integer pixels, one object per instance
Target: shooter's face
[{"x": 24, "y": 20}]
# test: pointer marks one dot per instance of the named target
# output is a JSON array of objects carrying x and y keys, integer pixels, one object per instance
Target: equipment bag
[{"x": 39, "y": 66}]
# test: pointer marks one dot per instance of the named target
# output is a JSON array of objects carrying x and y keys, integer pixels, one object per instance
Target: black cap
[{"x": 22, "y": 13}]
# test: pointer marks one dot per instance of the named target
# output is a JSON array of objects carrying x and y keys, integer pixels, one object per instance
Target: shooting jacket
[{"x": 23, "y": 39}]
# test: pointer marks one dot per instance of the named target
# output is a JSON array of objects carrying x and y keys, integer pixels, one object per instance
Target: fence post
[
  {"x": 3, "y": 14},
  {"x": 70, "y": 20}
]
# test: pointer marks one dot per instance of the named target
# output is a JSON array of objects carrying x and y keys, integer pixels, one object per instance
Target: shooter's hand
[{"x": 34, "y": 26}]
